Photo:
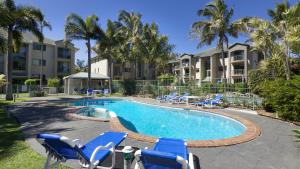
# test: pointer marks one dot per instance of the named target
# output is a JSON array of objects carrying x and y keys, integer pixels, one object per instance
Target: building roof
[
  {"x": 84, "y": 75},
  {"x": 209, "y": 52},
  {"x": 29, "y": 38},
  {"x": 213, "y": 51}
]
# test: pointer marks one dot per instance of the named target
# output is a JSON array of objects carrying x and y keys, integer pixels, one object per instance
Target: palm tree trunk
[
  {"x": 287, "y": 62},
  {"x": 135, "y": 70},
  {"x": 42, "y": 57},
  {"x": 223, "y": 60},
  {"x": 110, "y": 74},
  {"x": 9, "y": 68},
  {"x": 88, "y": 44}
]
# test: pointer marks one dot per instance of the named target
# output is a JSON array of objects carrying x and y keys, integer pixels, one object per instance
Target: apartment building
[
  {"x": 184, "y": 67},
  {"x": 123, "y": 71},
  {"x": 58, "y": 59},
  {"x": 207, "y": 66}
]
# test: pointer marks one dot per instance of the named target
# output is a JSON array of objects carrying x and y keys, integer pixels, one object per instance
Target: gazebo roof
[{"x": 84, "y": 75}]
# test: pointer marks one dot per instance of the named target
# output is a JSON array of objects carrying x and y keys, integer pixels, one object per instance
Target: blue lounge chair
[
  {"x": 210, "y": 102},
  {"x": 106, "y": 91},
  {"x": 167, "y": 154},
  {"x": 180, "y": 99},
  {"x": 90, "y": 155},
  {"x": 163, "y": 98},
  {"x": 89, "y": 92}
]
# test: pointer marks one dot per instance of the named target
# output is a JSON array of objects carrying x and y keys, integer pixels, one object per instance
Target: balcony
[
  {"x": 237, "y": 58},
  {"x": 238, "y": 72},
  {"x": 208, "y": 73},
  {"x": 187, "y": 75},
  {"x": 177, "y": 67},
  {"x": 185, "y": 64}
]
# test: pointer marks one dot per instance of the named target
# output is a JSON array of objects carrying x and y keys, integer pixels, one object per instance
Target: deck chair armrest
[
  {"x": 182, "y": 161},
  {"x": 77, "y": 143},
  {"x": 110, "y": 146},
  {"x": 191, "y": 161}
]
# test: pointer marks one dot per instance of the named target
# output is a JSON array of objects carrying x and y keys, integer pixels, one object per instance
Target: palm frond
[
  {"x": 75, "y": 19},
  {"x": 31, "y": 12},
  {"x": 17, "y": 40},
  {"x": 46, "y": 24},
  {"x": 3, "y": 44},
  {"x": 9, "y": 4}
]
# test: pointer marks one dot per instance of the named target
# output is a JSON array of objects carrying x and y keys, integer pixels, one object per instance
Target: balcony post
[
  {"x": 229, "y": 67},
  {"x": 245, "y": 64}
]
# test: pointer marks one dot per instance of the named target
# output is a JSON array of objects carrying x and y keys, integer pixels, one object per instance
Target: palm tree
[
  {"x": 285, "y": 17},
  {"x": 262, "y": 35},
  {"x": 78, "y": 29},
  {"x": 107, "y": 47},
  {"x": 19, "y": 19},
  {"x": 132, "y": 30},
  {"x": 4, "y": 20},
  {"x": 43, "y": 24},
  {"x": 217, "y": 25},
  {"x": 155, "y": 47}
]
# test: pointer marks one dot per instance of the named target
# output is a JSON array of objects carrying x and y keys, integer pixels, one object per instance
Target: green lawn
[{"x": 14, "y": 152}]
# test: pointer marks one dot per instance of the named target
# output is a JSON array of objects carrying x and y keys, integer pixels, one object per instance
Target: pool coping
[{"x": 252, "y": 129}]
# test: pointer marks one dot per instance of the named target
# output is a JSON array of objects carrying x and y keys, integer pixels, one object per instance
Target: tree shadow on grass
[{"x": 11, "y": 137}]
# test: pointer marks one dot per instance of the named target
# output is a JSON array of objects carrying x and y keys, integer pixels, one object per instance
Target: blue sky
[{"x": 174, "y": 17}]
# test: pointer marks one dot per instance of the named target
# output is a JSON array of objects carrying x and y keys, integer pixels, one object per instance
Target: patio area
[{"x": 274, "y": 148}]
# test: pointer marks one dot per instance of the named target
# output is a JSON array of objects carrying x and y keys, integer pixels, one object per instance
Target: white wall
[{"x": 100, "y": 67}]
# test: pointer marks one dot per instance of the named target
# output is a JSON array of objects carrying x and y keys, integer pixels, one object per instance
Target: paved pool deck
[{"x": 275, "y": 148}]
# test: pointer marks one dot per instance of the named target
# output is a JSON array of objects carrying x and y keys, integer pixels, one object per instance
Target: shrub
[
  {"x": 282, "y": 96},
  {"x": 53, "y": 82},
  {"x": 31, "y": 81},
  {"x": 2, "y": 80},
  {"x": 129, "y": 87}
]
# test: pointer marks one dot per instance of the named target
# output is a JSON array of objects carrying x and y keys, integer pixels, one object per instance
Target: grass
[{"x": 14, "y": 152}]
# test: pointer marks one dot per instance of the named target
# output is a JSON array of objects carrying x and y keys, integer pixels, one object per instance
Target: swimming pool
[{"x": 169, "y": 122}]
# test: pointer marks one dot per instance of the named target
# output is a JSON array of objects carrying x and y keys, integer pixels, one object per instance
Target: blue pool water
[{"x": 167, "y": 122}]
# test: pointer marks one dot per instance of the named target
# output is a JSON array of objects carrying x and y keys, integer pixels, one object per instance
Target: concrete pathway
[{"x": 274, "y": 149}]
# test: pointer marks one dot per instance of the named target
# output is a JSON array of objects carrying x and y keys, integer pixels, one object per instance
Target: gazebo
[{"x": 79, "y": 81}]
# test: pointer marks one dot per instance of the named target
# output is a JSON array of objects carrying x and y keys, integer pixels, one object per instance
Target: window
[
  {"x": 19, "y": 59},
  {"x": 37, "y": 46},
  {"x": 220, "y": 68},
  {"x": 37, "y": 62},
  {"x": 127, "y": 69},
  {"x": 63, "y": 53},
  {"x": 117, "y": 71},
  {"x": 63, "y": 67},
  {"x": 139, "y": 70}
]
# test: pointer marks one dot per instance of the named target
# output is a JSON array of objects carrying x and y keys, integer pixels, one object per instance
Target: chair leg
[
  {"x": 56, "y": 164},
  {"x": 47, "y": 164}
]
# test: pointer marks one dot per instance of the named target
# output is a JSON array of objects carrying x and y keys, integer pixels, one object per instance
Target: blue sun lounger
[
  {"x": 167, "y": 154},
  {"x": 90, "y": 155},
  {"x": 210, "y": 102}
]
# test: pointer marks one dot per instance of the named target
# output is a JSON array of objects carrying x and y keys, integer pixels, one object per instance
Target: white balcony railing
[
  {"x": 238, "y": 57},
  {"x": 208, "y": 73},
  {"x": 185, "y": 64},
  {"x": 238, "y": 71}
]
